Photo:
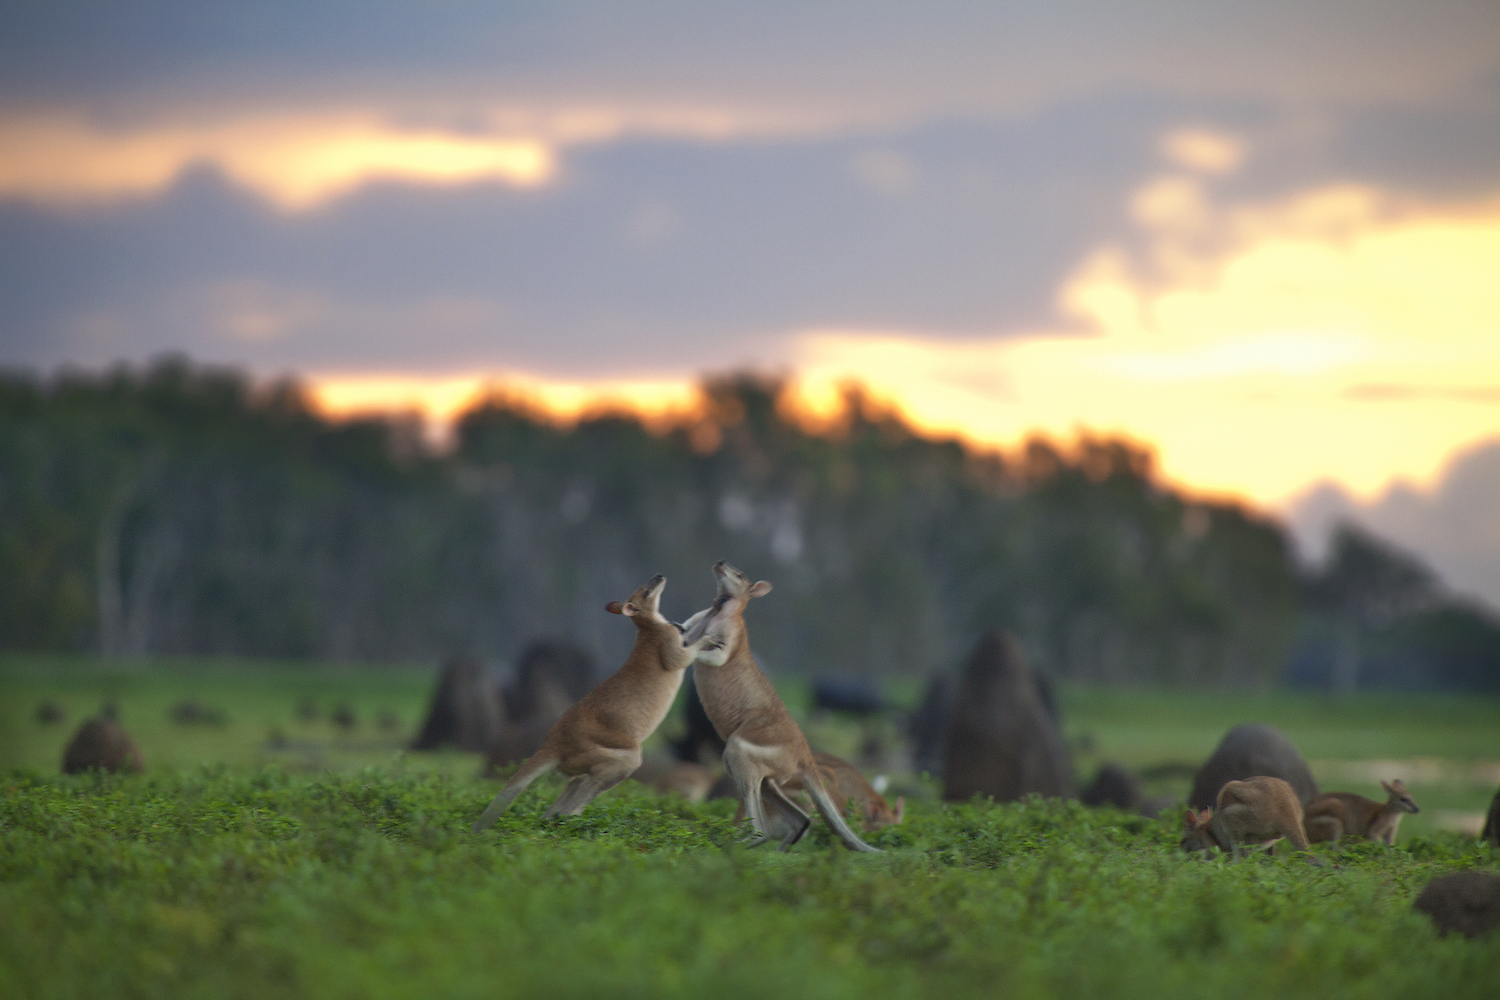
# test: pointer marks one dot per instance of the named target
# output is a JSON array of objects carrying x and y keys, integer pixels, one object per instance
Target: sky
[{"x": 1262, "y": 239}]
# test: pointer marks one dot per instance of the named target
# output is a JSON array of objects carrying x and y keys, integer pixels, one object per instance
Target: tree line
[{"x": 188, "y": 510}]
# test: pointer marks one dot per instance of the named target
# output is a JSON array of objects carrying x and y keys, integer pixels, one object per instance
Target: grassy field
[{"x": 280, "y": 857}]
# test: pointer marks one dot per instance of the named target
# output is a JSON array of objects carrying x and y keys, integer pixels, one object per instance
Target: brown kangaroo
[
  {"x": 763, "y": 746},
  {"x": 597, "y": 742},
  {"x": 1255, "y": 812},
  {"x": 845, "y": 784},
  {"x": 1344, "y": 814}
]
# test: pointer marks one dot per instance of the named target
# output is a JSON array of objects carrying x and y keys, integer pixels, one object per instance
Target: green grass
[
  {"x": 1138, "y": 727},
  {"x": 263, "y": 883},
  {"x": 333, "y": 864}
]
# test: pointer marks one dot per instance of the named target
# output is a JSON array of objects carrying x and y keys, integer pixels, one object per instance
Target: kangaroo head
[
  {"x": 719, "y": 628},
  {"x": 644, "y": 606},
  {"x": 1397, "y": 793},
  {"x": 1196, "y": 835}
]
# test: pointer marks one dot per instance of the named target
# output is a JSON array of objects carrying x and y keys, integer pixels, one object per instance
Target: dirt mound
[
  {"x": 466, "y": 710},
  {"x": 1466, "y": 902},
  {"x": 1113, "y": 786},
  {"x": 101, "y": 744},
  {"x": 550, "y": 676},
  {"x": 1246, "y": 751},
  {"x": 1002, "y": 740}
]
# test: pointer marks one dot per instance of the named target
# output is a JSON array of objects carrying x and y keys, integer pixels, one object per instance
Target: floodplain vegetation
[{"x": 263, "y": 882}]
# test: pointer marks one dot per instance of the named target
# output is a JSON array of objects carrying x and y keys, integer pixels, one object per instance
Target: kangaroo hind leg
[{"x": 789, "y": 819}]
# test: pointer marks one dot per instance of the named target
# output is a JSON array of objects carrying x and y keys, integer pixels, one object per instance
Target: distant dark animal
[
  {"x": 1466, "y": 902},
  {"x": 1248, "y": 814},
  {"x": 852, "y": 695},
  {"x": 48, "y": 713},
  {"x": 307, "y": 710},
  {"x": 928, "y": 726},
  {"x": 1247, "y": 751},
  {"x": 702, "y": 743},
  {"x": 550, "y": 677},
  {"x": 190, "y": 712},
  {"x": 1344, "y": 814},
  {"x": 343, "y": 716},
  {"x": 1002, "y": 742},
  {"x": 1491, "y": 831},
  {"x": 466, "y": 710},
  {"x": 101, "y": 744},
  {"x": 1113, "y": 786}
]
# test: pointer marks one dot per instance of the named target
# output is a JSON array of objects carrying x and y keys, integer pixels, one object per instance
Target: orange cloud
[
  {"x": 1249, "y": 371},
  {"x": 295, "y": 162}
]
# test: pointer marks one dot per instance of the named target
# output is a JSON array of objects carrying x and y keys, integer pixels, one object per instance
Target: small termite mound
[{"x": 102, "y": 744}]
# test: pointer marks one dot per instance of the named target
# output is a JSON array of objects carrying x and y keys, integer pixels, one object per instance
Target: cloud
[
  {"x": 1246, "y": 365},
  {"x": 1454, "y": 522},
  {"x": 294, "y": 161}
]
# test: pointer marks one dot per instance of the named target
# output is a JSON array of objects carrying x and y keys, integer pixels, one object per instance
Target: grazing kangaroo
[
  {"x": 845, "y": 784},
  {"x": 763, "y": 746},
  {"x": 597, "y": 742},
  {"x": 1255, "y": 812},
  {"x": 1344, "y": 814}
]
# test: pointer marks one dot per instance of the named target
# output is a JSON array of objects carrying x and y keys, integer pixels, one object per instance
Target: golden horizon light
[{"x": 1334, "y": 336}]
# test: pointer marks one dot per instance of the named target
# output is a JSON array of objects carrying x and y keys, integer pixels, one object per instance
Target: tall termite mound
[
  {"x": 466, "y": 710},
  {"x": 1002, "y": 740},
  {"x": 550, "y": 676},
  {"x": 101, "y": 744},
  {"x": 1247, "y": 750}
]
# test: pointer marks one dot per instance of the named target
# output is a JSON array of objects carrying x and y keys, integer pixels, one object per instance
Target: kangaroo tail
[
  {"x": 538, "y": 765},
  {"x": 835, "y": 819}
]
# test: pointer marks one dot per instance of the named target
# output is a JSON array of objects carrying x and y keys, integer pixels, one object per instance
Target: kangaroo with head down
[
  {"x": 597, "y": 742},
  {"x": 1344, "y": 814},
  {"x": 1255, "y": 812},
  {"x": 764, "y": 748},
  {"x": 845, "y": 784}
]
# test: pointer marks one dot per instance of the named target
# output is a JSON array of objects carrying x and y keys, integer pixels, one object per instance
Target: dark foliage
[{"x": 185, "y": 510}]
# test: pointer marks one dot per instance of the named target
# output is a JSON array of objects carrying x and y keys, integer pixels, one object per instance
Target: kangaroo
[
  {"x": 1344, "y": 814},
  {"x": 844, "y": 784},
  {"x": 597, "y": 742},
  {"x": 1255, "y": 812},
  {"x": 763, "y": 746}
]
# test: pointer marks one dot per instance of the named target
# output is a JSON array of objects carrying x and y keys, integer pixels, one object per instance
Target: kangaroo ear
[
  {"x": 630, "y": 609},
  {"x": 760, "y": 589},
  {"x": 613, "y": 607},
  {"x": 900, "y": 812},
  {"x": 1190, "y": 819},
  {"x": 1387, "y": 786}
]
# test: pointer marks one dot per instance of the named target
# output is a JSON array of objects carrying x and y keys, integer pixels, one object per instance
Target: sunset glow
[
  {"x": 295, "y": 162},
  {"x": 1338, "y": 337}
]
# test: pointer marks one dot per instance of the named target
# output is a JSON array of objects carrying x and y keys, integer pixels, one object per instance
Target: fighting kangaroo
[
  {"x": 763, "y": 746},
  {"x": 597, "y": 742}
]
